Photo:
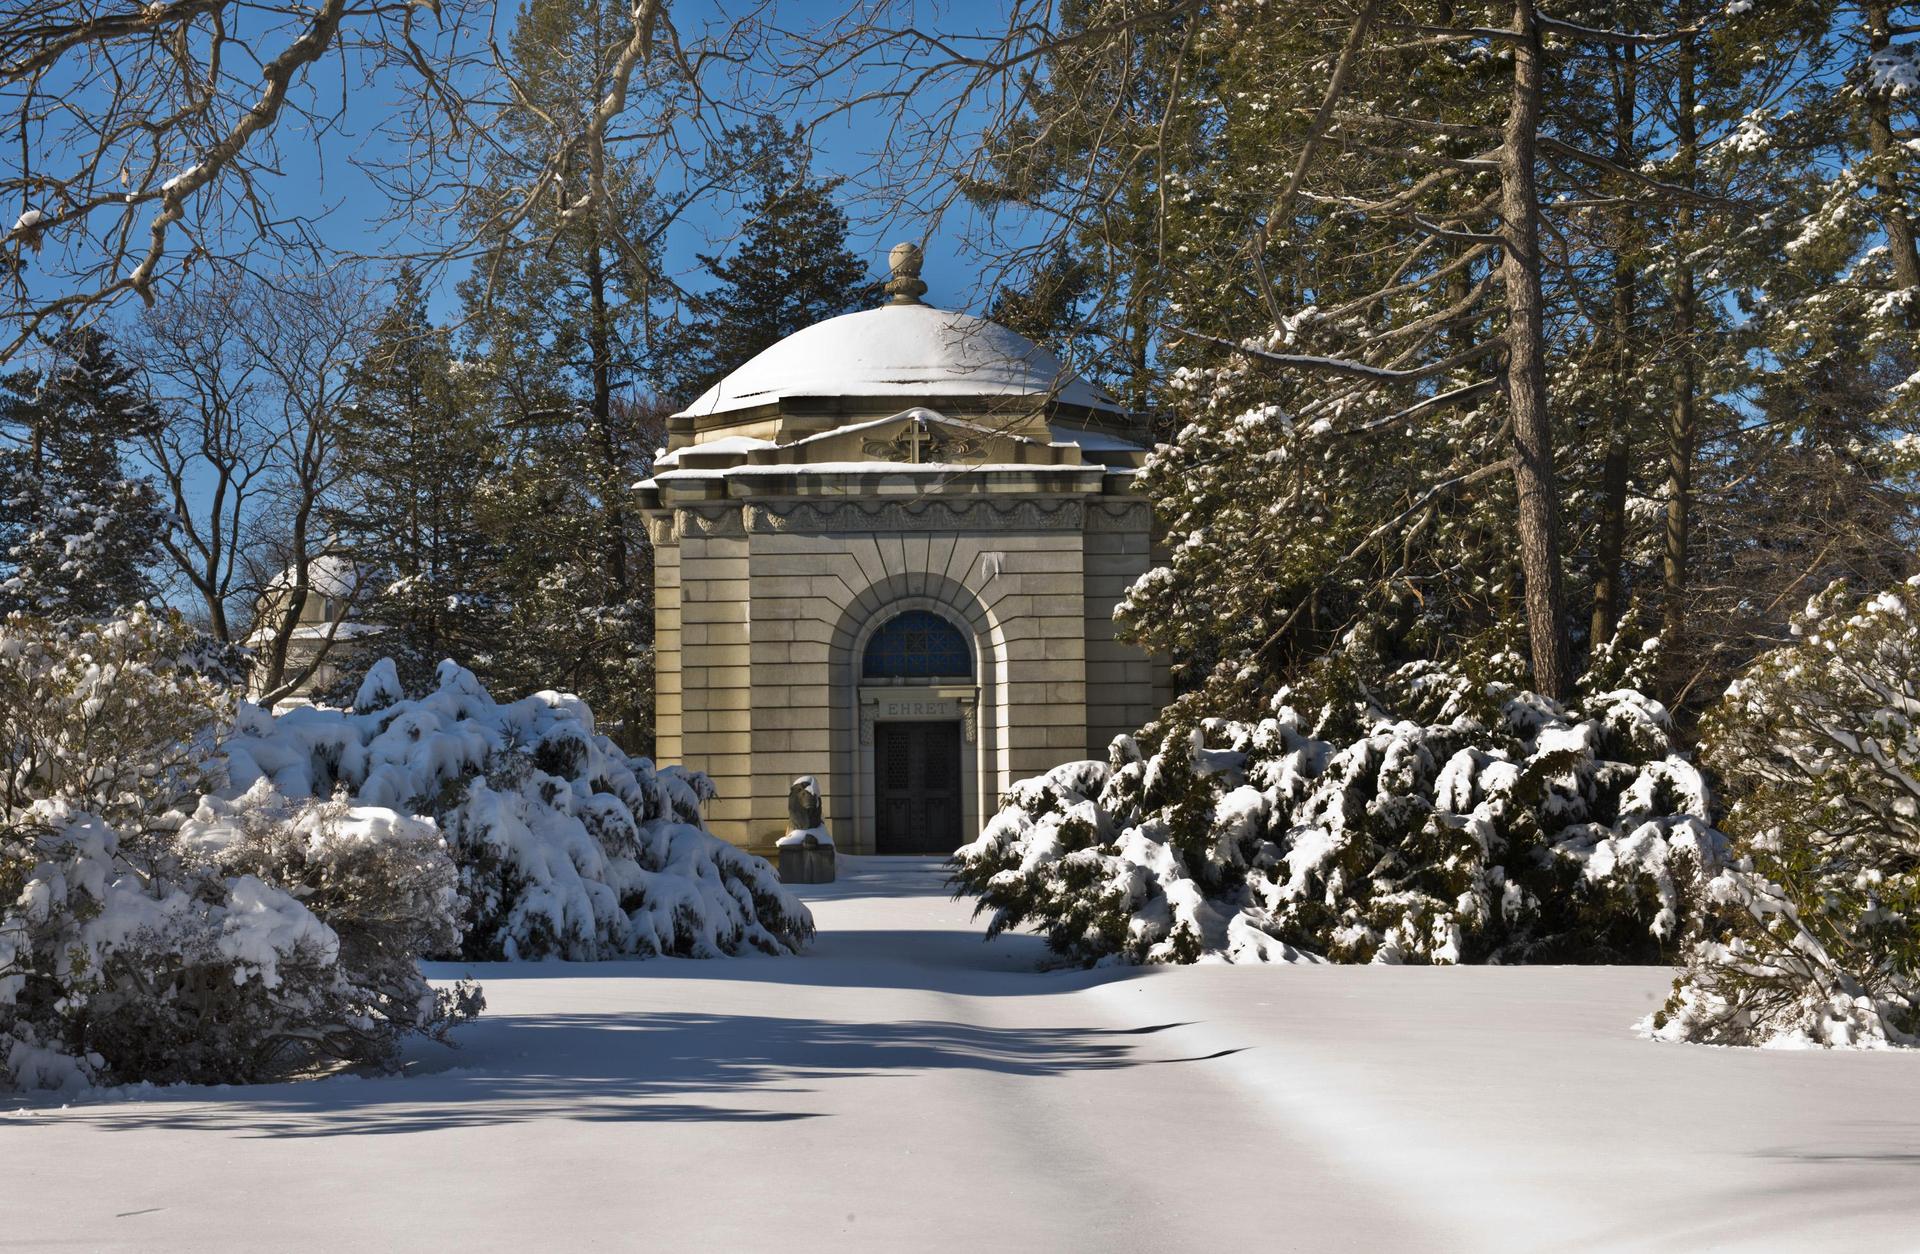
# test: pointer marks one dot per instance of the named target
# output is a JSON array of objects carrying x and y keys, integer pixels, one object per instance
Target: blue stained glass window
[{"x": 917, "y": 645}]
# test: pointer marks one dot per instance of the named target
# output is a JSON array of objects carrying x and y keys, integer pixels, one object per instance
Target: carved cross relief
[{"x": 920, "y": 441}]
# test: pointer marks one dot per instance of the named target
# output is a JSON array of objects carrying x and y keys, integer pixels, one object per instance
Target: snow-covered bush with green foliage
[
  {"x": 1820, "y": 749},
  {"x": 567, "y": 847},
  {"x": 149, "y": 934},
  {"x": 1508, "y": 829}
]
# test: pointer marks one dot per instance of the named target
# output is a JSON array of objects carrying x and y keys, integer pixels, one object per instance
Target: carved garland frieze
[
  {"x": 1121, "y": 516},
  {"x": 722, "y": 521},
  {"x": 808, "y": 517},
  {"x": 660, "y": 530}
]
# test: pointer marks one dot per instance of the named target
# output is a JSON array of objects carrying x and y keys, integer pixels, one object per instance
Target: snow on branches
[
  {"x": 138, "y": 943},
  {"x": 196, "y": 890},
  {"x": 1821, "y": 752},
  {"x": 567, "y": 847},
  {"x": 1543, "y": 833}
]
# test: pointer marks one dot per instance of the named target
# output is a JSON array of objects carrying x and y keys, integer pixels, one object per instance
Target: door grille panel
[{"x": 917, "y": 778}]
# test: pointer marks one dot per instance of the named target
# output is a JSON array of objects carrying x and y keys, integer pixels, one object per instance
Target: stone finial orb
[{"x": 905, "y": 287}]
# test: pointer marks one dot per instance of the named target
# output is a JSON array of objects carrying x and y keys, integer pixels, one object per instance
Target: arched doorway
[{"x": 918, "y": 705}]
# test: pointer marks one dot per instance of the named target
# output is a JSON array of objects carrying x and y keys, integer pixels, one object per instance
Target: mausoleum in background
[{"x": 887, "y": 552}]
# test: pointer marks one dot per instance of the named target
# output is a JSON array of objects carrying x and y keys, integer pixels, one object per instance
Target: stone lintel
[{"x": 886, "y": 703}]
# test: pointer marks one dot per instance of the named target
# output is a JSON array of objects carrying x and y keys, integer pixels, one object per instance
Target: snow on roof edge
[{"x": 862, "y": 468}]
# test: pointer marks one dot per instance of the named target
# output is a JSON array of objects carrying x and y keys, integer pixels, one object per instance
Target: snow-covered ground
[{"x": 907, "y": 1087}]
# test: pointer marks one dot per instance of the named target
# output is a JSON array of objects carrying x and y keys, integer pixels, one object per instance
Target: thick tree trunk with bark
[
  {"x": 1609, "y": 561},
  {"x": 1533, "y": 476},
  {"x": 1683, "y": 423},
  {"x": 1891, "y": 205}
]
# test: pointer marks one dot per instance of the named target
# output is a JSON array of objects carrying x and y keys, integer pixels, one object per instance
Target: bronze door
[{"x": 916, "y": 771}]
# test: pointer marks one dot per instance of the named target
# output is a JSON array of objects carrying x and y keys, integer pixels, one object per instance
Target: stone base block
[{"x": 806, "y": 858}]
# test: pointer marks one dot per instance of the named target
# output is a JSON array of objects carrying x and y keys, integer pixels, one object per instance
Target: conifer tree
[
  {"x": 790, "y": 268},
  {"x": 78, "y": 535},
  {"x": 1799, "y": 471},
  {"x": 1050, "y": 308},
  {"x": 565, "y": 335},
  {"x": 413, "y": 449},
  {"x": 1452, "y": 305}
]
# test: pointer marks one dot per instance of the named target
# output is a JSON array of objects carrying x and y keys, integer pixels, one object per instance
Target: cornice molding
[{"x": 809, "y": 517}]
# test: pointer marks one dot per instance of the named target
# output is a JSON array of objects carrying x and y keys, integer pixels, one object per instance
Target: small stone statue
[
  {"x": 803, "y": 804},
  {"x": 806, "y": 851}
]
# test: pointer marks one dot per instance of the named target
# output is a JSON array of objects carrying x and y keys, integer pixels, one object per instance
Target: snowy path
[{"x": 905, "y": 1087}]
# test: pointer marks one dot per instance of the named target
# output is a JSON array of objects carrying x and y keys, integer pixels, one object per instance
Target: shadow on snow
[
  {"x": 631, "y": 1067},
  {"x": 932, "y": 960}
]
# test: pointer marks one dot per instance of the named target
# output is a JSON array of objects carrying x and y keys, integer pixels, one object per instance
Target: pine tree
[
  {"x": 1406, "y": 298},
  {"x": 565, "y": 331},
  {"x": 1117, "y": 134},
  {"x": 1050, "y": 308},
  {"x": 78, "y": 535},
  {"x": 791, "y": 268},
  {"x": 1792, "y": 470},
  {"x": 413, "y": 448},
  {"x": 1307, "y": 514}
]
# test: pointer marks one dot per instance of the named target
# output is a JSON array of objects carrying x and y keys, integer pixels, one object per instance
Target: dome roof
[
  {"x": 903, "y": 350},
  {"x": 328, "y": 575}
]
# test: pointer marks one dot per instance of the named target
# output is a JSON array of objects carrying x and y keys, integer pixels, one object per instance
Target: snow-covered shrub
[
  {"x": 1821, "y": 753},
  {"x": 1539, "y": 833},
  {"x": 248, "y": 940},
  {"x": 116, "y": 718},
  {"x": 384, "y": 883},
  {"x": 115, "y": 968},
  {"x": 566, "y": 846}
]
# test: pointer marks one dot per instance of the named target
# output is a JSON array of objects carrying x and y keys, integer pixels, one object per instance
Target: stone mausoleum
[{"x": 887, "y": 552}]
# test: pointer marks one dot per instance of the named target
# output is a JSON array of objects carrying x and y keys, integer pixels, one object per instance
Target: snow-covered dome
[
  {"x": 902, "y": 349},
  {"x": 328, "y": 575}
]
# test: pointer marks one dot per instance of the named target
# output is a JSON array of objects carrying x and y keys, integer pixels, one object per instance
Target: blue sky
[
  {"x": 314, "y": 171},
  {"x": 319, "y": 174}
]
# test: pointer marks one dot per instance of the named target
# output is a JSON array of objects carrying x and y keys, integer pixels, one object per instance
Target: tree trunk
[
  {"x": 1460, "y": 332},
  {"x": 1881, "y": 145},
  {"x": 418, "y": 467},
  {"x": 612, "y": 482},
  {"x": 1533, "y": 479},
  {"x": 1136, "y": 324},
  {"x": 277, "y": 647},
  {"x": 1608, "y": 576},
  {"x": 1682, "y": 425},
  {"x": 1609, "y": 562}
]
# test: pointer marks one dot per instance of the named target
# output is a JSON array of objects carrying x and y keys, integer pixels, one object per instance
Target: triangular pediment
[
  {"x": 918, "y": 437},
  {"x": 928, "y": 439}
]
